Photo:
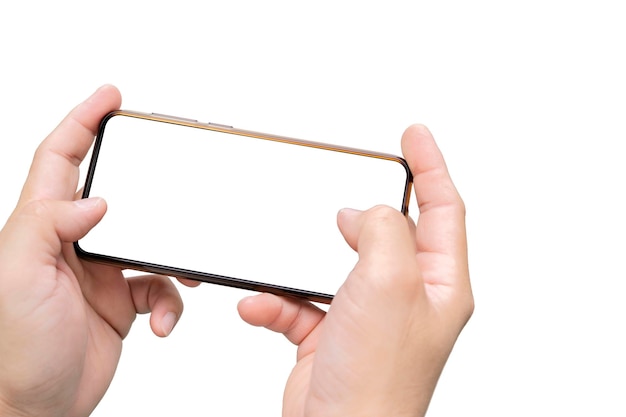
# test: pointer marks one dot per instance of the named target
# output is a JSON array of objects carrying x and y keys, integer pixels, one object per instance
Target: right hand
[{"x": 382, "y": 346}]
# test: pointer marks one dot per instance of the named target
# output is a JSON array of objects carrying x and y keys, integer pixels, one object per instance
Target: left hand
[{"x": 62, "y": 320}]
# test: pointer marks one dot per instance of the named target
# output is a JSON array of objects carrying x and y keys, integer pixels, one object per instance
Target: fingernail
[
  {"x": 349, "y": 212},
  {"x": 96, "y": 92},
  {"x": 168, "y": 322},
  {"x": 88, "y": 203},
  {"x": 88, "y": 99}
]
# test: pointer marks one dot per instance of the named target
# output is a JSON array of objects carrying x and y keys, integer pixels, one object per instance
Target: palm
[
  {"x": 385, "y": 339},
  {"x": 72, "y": 337},
  {"x": 105, "y": 328},
  {"x": 63, "y": 320},
  {"x": 298, "y": 386}
]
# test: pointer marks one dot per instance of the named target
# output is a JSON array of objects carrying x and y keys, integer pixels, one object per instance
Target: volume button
[
  {"x": 220, "y": 125},
  {"x": 167, "y": 116}
]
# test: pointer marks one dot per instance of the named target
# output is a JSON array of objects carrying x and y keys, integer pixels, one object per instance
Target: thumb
[
  {"x": 79, "y": 217},
  {"x": 74, "y": 219},
  {"x": 35, "y": 234},
  {"x": 348, "y": 222},
  {"x": 51, "y": 222}
]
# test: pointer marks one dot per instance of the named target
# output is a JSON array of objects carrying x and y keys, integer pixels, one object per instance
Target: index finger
[
  {"x": 441, "y": 222},
  {"x": 54, "y": 170},
  {"x": 387, "y": 268}
]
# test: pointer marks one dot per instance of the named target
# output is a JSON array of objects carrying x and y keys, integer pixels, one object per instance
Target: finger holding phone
[
  {"x": 378, "y": 351},
  {"x": 192, "y": 199},
  {"x": 62, "y": 320},
  {"x": 383, "y": 344}
]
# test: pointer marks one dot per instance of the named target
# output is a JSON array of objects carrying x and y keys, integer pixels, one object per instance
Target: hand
[
  {"x": 382, "y": 346},
  {"x": 62, "y": 320}
]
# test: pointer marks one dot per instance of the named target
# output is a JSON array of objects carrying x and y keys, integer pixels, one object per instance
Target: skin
[
  {"x": 383, "y": 344},
  {"x": 62, "y": 320},
  {"x": 378, "y": 351}
]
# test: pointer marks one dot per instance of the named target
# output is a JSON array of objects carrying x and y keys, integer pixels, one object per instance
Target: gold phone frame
[{"x": 215, "y": 278}]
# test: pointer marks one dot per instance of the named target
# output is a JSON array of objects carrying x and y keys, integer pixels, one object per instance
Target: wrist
[
  {"x": 391, "y": 402},
  {"x": 368, "y": 408}
]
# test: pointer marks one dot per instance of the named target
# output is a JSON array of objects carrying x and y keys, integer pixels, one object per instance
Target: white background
[{"x": 526, "y": 100}]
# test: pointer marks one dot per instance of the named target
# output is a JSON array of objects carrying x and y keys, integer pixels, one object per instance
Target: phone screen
[{"x": 229, "y": 206}]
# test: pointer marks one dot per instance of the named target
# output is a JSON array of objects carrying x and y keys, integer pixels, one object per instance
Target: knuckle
[
  {"x": 159, "y": 285},
  {"x": 462, "y": 207},
  {"x": 384, "y": 213},
  {"x": 470, "y": 306},
  {"x": 36, "y": 208},
  {"x": 465, "y": 308}
]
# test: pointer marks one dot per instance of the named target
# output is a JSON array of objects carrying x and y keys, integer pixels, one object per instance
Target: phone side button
[
  {"x": 182, "y": 119},
  {"x": 220, "y": 125}
]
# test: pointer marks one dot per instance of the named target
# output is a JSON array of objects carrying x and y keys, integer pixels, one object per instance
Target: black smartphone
[{"x": 228, "y": 206}]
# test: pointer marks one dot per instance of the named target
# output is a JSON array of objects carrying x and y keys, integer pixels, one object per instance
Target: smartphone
[{"x": 228, "y": 206}]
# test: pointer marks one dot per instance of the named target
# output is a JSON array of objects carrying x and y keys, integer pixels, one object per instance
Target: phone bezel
[{"x": 205, "y": 276}]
